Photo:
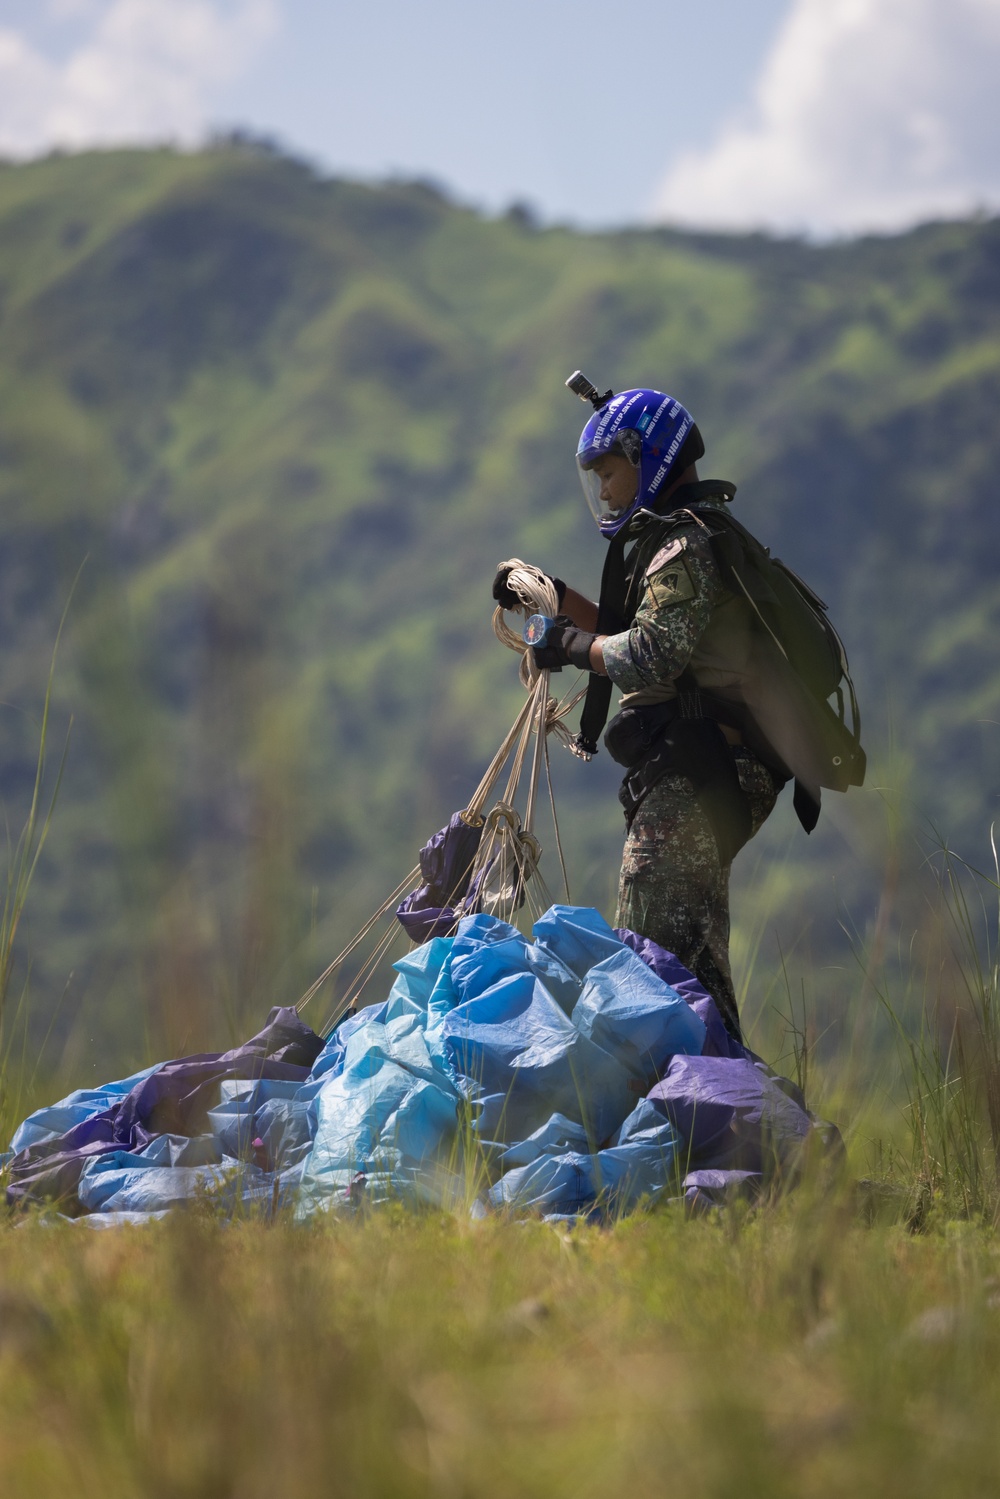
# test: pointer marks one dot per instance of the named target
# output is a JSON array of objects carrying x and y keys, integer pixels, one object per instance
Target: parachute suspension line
[
  {"x": 473, "y": 812},
  {"x": 568, "y": 703},
  {"x": 506, "y": 865},
  {"x": 542, "y": 696},
  {"x": 555, "y": 824},
  {"x": 329, "y": 971},
  {"x": 505, "y": 872},
  {"x": 537, "y": 594},
  {"x": 507, "y": 858},
  {"x": 349, "y": 1000},
  {"x": 517, "y": 762}
]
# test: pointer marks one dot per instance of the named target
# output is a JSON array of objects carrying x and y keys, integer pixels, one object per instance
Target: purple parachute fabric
[
  {"x": 704, "y": 1190},
  {"x": 663, "y": 963},
  {"x": 735, "y": 1118},
  {"x": 436, "y": 906},
  {"x": 672, "y": 971},
  {"x": 174, "y": 1099}
]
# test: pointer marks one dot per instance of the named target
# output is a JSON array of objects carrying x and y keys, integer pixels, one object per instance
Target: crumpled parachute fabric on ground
[{"x": 572, "y": 1073}]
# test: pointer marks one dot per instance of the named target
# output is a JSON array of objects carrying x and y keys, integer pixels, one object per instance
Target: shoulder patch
[
  {"x": 672, "y": 582},
  {"x": 670, "y": 553},
  {"x": 672, "y": 586}
]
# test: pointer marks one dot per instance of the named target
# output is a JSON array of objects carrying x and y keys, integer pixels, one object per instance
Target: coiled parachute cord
[
  {"x": 538, "y": 595},
  {"x": 543, "y": 715}
]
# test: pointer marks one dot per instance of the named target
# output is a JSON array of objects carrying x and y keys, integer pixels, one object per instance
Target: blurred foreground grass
[{"x": 791, "y": 1352}]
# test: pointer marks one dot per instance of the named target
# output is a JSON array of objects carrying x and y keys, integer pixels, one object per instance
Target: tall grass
[
  {"x": 947, "y": 1031},
  {"x": 18, "y": 1070},
  {"x": 903, "y": 1052},
  {"x": 801, "y": 1350},
  {"x": 789, "y": 1354}
]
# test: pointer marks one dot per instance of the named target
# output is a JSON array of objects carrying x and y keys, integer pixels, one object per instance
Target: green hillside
[{"x": 292, "y": 424}]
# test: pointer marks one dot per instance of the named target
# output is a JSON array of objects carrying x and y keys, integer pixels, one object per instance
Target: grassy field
[
  {"x": 844, "y": 1340},
  {"x": 793, "y": 1352}
]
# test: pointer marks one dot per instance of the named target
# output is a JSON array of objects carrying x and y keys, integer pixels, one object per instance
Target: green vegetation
[
  {"x": 798, "y": 1353},
  {"x": 292, "y": 424},
  {"x": 18, "y": 1067},
  {"x": 841, "y": 1341}
]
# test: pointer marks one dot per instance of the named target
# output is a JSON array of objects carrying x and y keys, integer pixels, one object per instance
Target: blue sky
[
  {"x": 823, "y": 116},
  {"x": 553, "y": 102}
]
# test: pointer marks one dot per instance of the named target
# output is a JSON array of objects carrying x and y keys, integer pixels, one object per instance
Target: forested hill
[{"x": 292, "y": 424}]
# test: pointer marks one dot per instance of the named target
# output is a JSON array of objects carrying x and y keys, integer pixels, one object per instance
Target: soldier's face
[{"x": 619, "y": 480}]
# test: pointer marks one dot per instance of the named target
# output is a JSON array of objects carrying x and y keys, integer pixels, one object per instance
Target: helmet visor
[{"x": 610, "y": 485}]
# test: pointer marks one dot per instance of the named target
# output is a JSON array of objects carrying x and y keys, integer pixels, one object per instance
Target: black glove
[
  {"x": 565, "y": 645},
  {"x": 508, "y": 599}
]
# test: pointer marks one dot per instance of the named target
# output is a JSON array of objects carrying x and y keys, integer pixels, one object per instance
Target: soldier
[{"x": 673, "y": 637}]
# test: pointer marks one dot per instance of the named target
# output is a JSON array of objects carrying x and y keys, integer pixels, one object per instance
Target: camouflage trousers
[{"x": 674, "y": 888}]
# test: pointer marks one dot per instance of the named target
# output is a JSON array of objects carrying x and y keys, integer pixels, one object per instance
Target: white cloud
[
  {"x": 145, "y": 71},
  {"x": 869, "y": 114}
]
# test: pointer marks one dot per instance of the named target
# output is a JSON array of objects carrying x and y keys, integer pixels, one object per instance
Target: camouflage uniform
[{"x": 674, "y": 887}]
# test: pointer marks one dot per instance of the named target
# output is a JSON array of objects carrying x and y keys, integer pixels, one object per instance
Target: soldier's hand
[
  {"x": 565, "y": 645},
  {"x": 508, "y": 599},
  {"x": 502, "y": 591}
]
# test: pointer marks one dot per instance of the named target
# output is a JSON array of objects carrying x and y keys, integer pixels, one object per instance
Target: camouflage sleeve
[{"x": 682, "y": 585}]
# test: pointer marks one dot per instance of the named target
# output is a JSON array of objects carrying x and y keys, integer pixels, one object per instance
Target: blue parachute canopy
[{"x": 574, "y": 1072}]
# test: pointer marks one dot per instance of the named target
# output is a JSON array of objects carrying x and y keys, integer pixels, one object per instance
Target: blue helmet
[{"x": 648, "y": 428}]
